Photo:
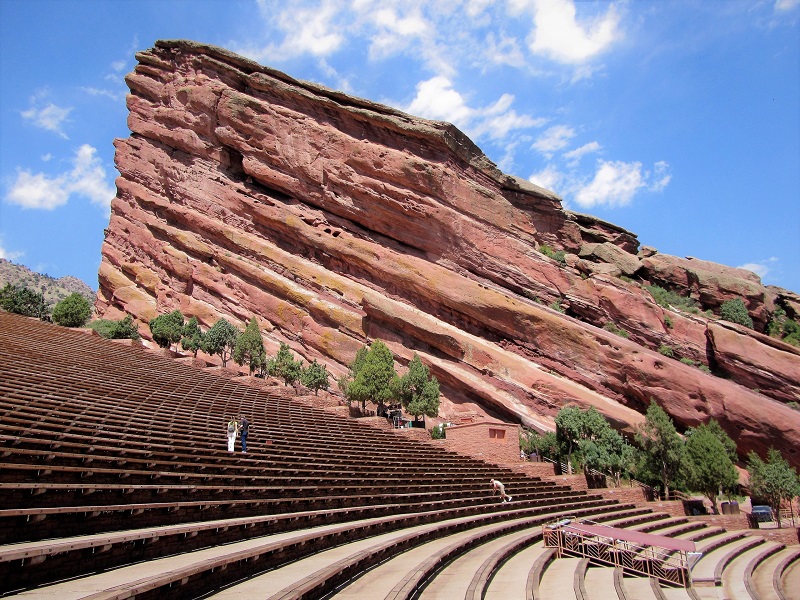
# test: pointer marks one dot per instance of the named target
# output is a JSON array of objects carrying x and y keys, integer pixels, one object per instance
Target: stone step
[{"x": 558, "y": 580}]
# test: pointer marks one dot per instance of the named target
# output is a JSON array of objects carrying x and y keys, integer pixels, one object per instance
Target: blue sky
[{"x": 678, "y": 120}]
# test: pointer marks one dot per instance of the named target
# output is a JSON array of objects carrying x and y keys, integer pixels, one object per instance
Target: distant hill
[{"x": 54, "y": 290}]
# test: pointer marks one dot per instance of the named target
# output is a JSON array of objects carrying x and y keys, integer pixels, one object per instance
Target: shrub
[
  {"x": 559, "y": 256},
  {"x": 668, "y": 322},
  {"x": 438, "y": 432},
  {"x": 688, "y": 361},
  {"x": 668, "y": 299},
  {"x": 72, "y": 311},
  {"x": 124, "y": 329},
  {"x": 556, "y": 305},
  {"x": 22, "y": 301},
  {"x": 612, "y": 327},
  {"x": 666, "y": 350},
  {"x": 735, "y": 311}
]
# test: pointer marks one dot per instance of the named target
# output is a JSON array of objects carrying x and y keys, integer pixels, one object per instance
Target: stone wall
[{"x": 493, "y": 442}]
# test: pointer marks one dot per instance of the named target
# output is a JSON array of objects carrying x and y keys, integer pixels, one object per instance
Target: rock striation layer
[{"x": 335, "y": 220}]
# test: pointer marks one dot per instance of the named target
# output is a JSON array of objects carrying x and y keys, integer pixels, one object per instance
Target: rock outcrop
[{"x": 335, "y": 220}]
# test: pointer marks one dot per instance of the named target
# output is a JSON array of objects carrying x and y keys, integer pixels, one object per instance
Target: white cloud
[
  {"x": 574, "y": 156},
  {"x": 50, "y": 117},
  {"x": 436, "y": 99},
  {"x": 761, "y": 268},
  {"x": 113, "y": 95},
  {"x": 558, "y": 34},
  {"x": 549, "y": 178},
  {"x": 307, "y": 29},
  {"x": 553, "y": 139},
  {"x": 615, "y": 183},
  {"x": 87, "y": 178},
  {"x": 785, "y": 5},
  {"x": 662, "y": 175},
  {"x": 504, "y": 50},
  {"x": 8, "y": 254}
]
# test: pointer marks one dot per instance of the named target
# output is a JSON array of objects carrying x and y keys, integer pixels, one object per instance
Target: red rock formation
[{"x": 336, "y": 220}]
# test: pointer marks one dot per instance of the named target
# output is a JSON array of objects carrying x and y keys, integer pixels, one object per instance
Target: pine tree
[
  {"x": 662, "y": 446},
  {"x": 774, "y": 480},
  {"x": 192, "y": 339},
  {"x": 284, "y": 365},
  {"x": 167, "y": 329},
  {"x": 221, "y": 339},
  {"x": 373, "y": 375},
  {"x": 315, "y": 377},
  {"x": 72, "y": 311},
  {"x": 417, "y": 390},
  {"x": 707, "y": 466},
  {"x": 250, "y": 347}
]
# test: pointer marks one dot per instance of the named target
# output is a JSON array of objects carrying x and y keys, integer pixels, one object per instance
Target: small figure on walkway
[
  {"x": 244, "y": 429},
  {"x": 497, "y": 486},
  {"x": 233, "y": 429}
]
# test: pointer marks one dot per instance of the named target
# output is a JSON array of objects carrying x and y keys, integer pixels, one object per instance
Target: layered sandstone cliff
[{"x": 336, "y": 220}]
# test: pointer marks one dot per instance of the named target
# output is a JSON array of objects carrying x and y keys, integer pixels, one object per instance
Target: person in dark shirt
[{"x": 244, "y": 429}]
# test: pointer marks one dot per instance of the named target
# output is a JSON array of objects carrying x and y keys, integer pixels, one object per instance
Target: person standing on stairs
[
  {"x": 244, "y": 429},
  {"x": 233, "y": 429}
]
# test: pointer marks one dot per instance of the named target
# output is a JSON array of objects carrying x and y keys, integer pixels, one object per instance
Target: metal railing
[{"x": 665, "y": 564}]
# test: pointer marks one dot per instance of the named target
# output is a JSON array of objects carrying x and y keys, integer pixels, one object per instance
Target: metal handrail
[{"x": 668, "y": 565}]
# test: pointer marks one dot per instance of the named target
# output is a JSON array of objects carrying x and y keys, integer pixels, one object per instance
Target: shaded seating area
[{"x": 115, "y": 481}]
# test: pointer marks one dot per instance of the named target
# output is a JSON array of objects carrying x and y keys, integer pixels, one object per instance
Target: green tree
[
  {"x": 315, "y": 377},
  {"x": 373, "y": 373},
  {"x": 661, "y": 445},
  {"x": 22, "y": 301},
  {"x": 167, "y": 329},
  {"x": 417, "y": 390},
  {"x": 574, "y": 426},
  {"x": 124, "y": 329},
  {"x": 345, "y": 380},
  {"x": 192, "y": 339},
  {"x": 774, "y": 480},
  {"x": 608, "y": 453},
  {"x": 284, "y": 365},
  {"x": 221, "y": 339},
  {"x": 250, "y": 347},
  {"x": 708, "y": 466},
  {"x": 72, "y": 311},
  {"x": 735, "y": 311}
]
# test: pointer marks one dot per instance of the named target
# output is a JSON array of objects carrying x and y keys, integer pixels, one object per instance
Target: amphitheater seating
[{"x": 115, "y": 482}]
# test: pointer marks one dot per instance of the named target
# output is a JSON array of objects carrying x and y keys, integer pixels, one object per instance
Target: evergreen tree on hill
[
  {"x": 250, "y": 348},
  {"x": 167, "y": 329},
  {"x": 284, "y": 365},
  {"x": 192, "y": 339},
  {"x": 707, "y": 465},
  {"x": 373, "y": 372},
  {"x": 315, "y": 377},
  {"x": 72, "y": 311},
  {"x": 417, "y": 390},
  {"x": 221, "y": 339},
  {"x": 662, "y": 447}
]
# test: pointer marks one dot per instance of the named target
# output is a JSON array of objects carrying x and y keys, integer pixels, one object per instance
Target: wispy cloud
[
  {"x": 762, "y": 268},
  {"x": 553, "y": 139},
  {"x": 786, "y": 5},
  {"x": 86, "y": 178},
  {"x": 574, "y": 156},
  {"x": 615, "y": 183},
  {"x": 9, "y": 254},
  {"x": 437, "y": 99},
  {"x": 46, "y": 115}
]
